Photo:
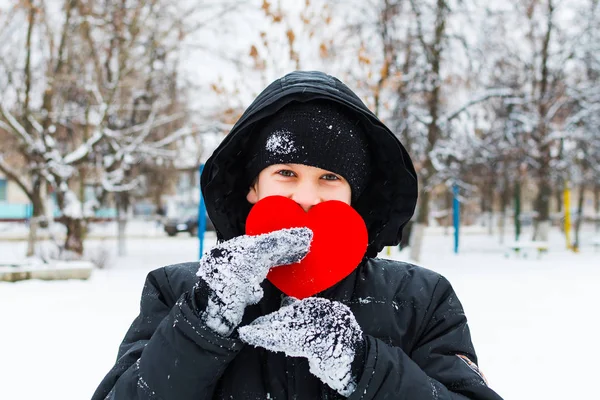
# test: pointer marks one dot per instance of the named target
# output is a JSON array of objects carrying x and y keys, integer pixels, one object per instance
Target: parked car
[{"x": 187, "y": 223}]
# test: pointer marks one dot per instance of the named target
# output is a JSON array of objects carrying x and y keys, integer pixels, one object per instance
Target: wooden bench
[
  {"x": 14, "y": 271},
  {"x": 524, "y": 247}
]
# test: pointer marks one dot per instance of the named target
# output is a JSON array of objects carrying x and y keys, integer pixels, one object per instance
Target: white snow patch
[
  {"x": 108, "y": 160},
  {"x": 516, "y": 319},
  {"x": 75, "y": 210},
  {"x": 281, "y": 142}
]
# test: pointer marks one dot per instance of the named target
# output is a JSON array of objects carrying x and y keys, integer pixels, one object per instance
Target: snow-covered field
[{"x": 534, "y": 322}]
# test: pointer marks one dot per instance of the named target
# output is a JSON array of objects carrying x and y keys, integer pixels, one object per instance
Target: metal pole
[{"x": 201, "y": 216}]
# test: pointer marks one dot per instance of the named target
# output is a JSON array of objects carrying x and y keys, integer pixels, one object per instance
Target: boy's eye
[
  {"x": 330, "y": 177},
  {"x": 286, "y": 172}
]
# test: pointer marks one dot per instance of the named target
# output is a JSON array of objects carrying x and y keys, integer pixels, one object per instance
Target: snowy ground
[
  {"x": 533, "y": 321},
  {"x": 136, "y": 228}
]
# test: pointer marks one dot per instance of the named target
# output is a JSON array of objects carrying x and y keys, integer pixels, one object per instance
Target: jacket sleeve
[
  {"x": 167, "y": 353},
  {"x": 442, "y": 363}
]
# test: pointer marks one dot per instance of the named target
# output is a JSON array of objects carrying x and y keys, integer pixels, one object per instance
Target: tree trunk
[
  {"x": 423, "y": 206},
  {"x": 434, "y": 134},
  {"x": 38, "y": 213},
  {"x": 579, "y": 216},
  {"x": 483, "y": 207},
  {"x": 121, "y": 200},
  {"x": 517, "y": 199},
  {"x": 490, "y": 203},
  {"x": 597, "y": 205},
  {"x": 543, "y": 231},
  {"x": 448, "y": 219},
  {"x": 504, "y": 202},
  {"x": 558, "y": 193},
  {"x": 75, "y": 233},
  {"x": 502, "y": 223},
  {"x": 416, "y": 242},
  {"x": 32, "y": 236},
  {"x": 543, "y": 200},
  {"x": 542, "y": 205},
  {"x": 418, "y": 230},
  {"x": 121, "y": 227}
]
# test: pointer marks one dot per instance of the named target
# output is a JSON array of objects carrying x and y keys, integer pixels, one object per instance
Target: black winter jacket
[
  {"x": 414, "y": 325},
  {"x": 418, "y": 345}
]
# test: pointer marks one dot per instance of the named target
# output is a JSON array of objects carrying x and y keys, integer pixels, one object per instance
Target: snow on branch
[
  {"x": 156, "y": 152},
  {"x": 423, "y": 119},
  {"x": 178, "y": 134},
  {"x": 141, "y": 127},
  {"x": 489, "y": 94},
  {"x": 147, "y": 128},
  {"x": 116, "y": 185},
  {"x": 134, "y": 143},
  {"x": 74, "y": 209},
  {"x": 60, "y": 169},
  {"x": 84, "y": 149},
  {"x": 36, "y": 125},
  {"x": 16, "y": 127},
  {"x": 557, "y": 106}
]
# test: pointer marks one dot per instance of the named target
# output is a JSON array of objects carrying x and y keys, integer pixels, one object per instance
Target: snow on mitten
[
  {"x": 234, "y": 270},
  {"x": 323, "y": 331}
]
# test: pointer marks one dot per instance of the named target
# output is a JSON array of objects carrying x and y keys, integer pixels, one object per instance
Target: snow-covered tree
[
  {"x": 582, "y": 124},
  {"x": 93, "y": 96},
  {"x": 539, "y": 51},
  {"x": 532, "y": 48},
  {"x": 417, "y": 65}
]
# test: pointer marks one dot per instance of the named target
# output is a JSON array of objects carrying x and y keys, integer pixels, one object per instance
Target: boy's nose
[{"x": 306, "y": 196}]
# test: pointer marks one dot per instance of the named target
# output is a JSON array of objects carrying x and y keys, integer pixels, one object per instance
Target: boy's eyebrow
[{"x": 327, "y": 171}]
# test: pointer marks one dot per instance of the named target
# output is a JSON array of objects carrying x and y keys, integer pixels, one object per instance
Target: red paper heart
[{"x": 339, "y": 242}]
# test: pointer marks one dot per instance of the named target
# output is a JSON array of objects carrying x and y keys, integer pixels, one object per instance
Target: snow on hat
[{"x": 316, "y": 133}]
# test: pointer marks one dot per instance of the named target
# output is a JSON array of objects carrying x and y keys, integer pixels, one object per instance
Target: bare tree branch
[
  {"x": 16, "y": 127},
  {"x": 83, "y": 150},
  {"x": 493, "y": 93},
  {"x": 35, "y": 124},
  {"x": 15, "y": 176},
  {"x": 178, "y": 134}
]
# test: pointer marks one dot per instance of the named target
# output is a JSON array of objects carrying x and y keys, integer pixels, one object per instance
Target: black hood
[{"x": 388, "y": 201}]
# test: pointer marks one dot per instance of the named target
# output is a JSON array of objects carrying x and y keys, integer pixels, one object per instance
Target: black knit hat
[{"x": 318, "y": 133}]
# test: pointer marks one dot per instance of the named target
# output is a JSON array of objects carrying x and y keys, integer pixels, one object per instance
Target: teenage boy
[{"x": 217, "y": 329}]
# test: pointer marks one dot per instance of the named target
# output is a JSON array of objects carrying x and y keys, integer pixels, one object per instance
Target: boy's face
[{"x": 307, "y": 186}]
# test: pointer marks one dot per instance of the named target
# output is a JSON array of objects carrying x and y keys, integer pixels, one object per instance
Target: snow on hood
[{"x": 387, "y": 203}]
